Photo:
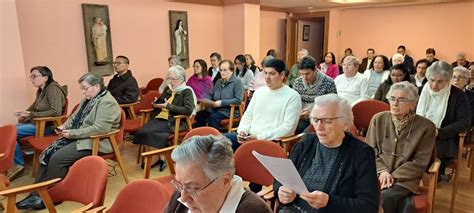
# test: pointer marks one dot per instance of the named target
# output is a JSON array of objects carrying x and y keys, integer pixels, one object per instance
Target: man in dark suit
[
  {"x": 366, "y": 61},
  {"x": 214, "y": 68}
]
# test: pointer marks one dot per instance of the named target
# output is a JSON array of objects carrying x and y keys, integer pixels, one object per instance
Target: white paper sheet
[{"x": 283, "y": 170}]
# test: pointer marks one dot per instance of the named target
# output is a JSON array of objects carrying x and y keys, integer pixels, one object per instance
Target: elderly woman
[
  {"x": 403, "y": 142},
  {"x": 227, "y": 90},
  {"x": 205, "y": 180},
  {"x": 98, "y": 113},
  {"x": 398, "y": 73},
  {"x": 177, "y": 99},
  {"x": 378, "y": 72},
  {"x": 451, "y": 114},
  {"x": 200, "y": 82},
  {"x": 397, "y": 58},
  {"x": 352, "y": 85},
  {"x": 243, "y": 72},
  {"x": 337, "y": 168},
  {"x": 50, "y": 100},
  {"x": 461, "y": 80}
]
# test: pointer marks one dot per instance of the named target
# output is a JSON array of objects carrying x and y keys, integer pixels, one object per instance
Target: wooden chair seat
[
  {"x": 132, "y": 126},
  {"x": 421, "y": 201}
]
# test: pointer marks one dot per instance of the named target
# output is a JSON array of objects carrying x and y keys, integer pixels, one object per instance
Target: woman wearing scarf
[
  {"x": 97, "y": 113},
  {"x": 448, "y": 108},
  {"x": 200, "y": 82},
  {"x": 176, "y": 99},
  {"x": 403, "y": 143}
]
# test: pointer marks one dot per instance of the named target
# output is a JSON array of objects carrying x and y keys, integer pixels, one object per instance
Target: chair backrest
[
  {"x": 7, "y": 146},
  {"x": 85, "y": 182},
  {"x": 364, "y": 111},
  {"x": 144, "y": 196},
  {"x": 145, "y": 102},
  {"x": 153, "y": 84},
  {"x": 119, "y": 135},
  {"x": 202, "y": 131},
  {"x": 249, "y": 168}
]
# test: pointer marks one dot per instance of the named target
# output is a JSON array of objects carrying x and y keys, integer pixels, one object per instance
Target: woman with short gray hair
[
  {"x": 460, "y": 80},
  {"x": 403, "y": 144},
  {"x": 451, "y": 114},
  {"x": 205, "y": 180},
  {"x": 328, "y": 158}
]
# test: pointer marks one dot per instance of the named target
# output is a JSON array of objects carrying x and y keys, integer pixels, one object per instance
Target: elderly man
[
  {"x": 309, "y": 85},
  {"x": 461, "y": 60},
  {"x": 123, "y": 86},
  {"x": 352, "y": 85},
  {"x": 367, "y": 60},
  {"x": 397, "y": 58},
  {"x": 403, "y": 142},
  {"x": 205, "y": 180},
  {"x": 337, "y": 168},
  {"x": 294, "y": 71}
]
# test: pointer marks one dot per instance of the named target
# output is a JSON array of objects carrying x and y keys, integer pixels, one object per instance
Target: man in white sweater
[
  {"x": 273, "y": 111},
  {"x": 352, "y": 85}
]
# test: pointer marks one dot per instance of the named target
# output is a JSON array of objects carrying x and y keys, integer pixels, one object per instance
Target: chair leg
[
  {"x": 455, "y": 186},
  {"x": 35, "y": 165},
  {"x": 139, "y": 154},
  {"x": 471, "y": 162},
  {"x": 118, "y": 158}
]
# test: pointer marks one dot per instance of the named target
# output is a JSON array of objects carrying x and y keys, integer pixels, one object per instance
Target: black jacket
[
  {"x": 357, "y": 189},
  {"x": 124, "y": 88},
  {"x": 218, "y": 76}
]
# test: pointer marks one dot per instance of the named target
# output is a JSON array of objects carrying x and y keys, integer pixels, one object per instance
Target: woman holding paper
[{"x": 337, "y": 168}]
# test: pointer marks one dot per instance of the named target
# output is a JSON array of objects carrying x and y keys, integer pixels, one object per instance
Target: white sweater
[
  {"x": 272, "y": 113},
  {"x": 353, "y": 89}
]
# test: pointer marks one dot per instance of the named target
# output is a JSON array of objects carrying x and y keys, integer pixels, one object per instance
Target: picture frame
[
  {"x": 179, "y": 36},
  {"x": 98, "y": 38},
  {"x": 306, "y": 32}
]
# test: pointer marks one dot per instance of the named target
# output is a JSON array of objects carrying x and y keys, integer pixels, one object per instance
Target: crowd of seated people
[{"x": 283, "y": 103}]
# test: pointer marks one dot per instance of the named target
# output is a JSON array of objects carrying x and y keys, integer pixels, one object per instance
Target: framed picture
[
  {"x": 98, "y": 38},
  {"x": 305, "y": 32},
  {"x": 179, "y": 36}
]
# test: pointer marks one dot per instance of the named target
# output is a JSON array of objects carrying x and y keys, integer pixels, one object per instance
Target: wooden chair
[
  {"x": 424, "y": 202},
  {"x": 288, "y": 142},
  {"x": 129, "y": 108},
  {"x": 152, "y": 85},
  {"x": 85, "y": 183},
  {"x": 229, "y": 124},
  {"x": 364, "y": 111},
  {"x": 455, "y": 170}
]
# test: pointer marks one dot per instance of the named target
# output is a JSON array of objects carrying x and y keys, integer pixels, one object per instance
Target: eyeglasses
[
  {"x": 192, "y": 191},
  {"x": 172, "y": 79},
  {"x": 84, "y": 88},
  {"x": 323, "y": 120},
  {"x": 33, "y": 77},
  {"x": 399, "y": 100},
  {"x": 458, "y": 77},
  {"x": 117, "y": 63}
]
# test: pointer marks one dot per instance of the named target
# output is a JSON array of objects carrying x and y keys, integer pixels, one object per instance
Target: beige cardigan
[{"x": 416, "y": 146}]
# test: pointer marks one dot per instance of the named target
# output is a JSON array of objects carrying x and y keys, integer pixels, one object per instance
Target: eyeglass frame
[
  {"x": 193, "y": 191},
  {"x": 323, "y": 120},
  {"x": 459, "y": 77},
  {"x": 399, "y": 100},
  {"x": 33, "y": 77}
]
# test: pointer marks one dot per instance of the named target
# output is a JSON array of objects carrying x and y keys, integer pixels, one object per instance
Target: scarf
[
  {"x": 201, "y": 86},
  {"x": 433, "y": 105},
  {"x": 181, "y": 88},
  {"x": 76, "y": 123},
  {"x": 400, "y": 124}
]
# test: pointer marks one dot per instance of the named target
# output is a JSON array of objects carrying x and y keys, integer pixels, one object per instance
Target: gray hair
[
  {"x": 461, "y": 55},
  {"x": 306, "y": 52},
  {"x": 212, "y": 153},
  {"x": 463, "y": 70},
  {"x": 409, "y": 88},
  {"x": 175, "y": 59},
  {"x": 92, "y": 79},
  {"x": 344, "y": 108},
  {"x": 352, "y": 60},
  {"x": 398, "y": 55},
  {"x": 440, "y": 68},
  {"x": 178, "y": 71}
]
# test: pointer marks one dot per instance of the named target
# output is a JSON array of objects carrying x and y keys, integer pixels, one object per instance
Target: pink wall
[
  {"x": 252, "y": 30},
  {"x": 13, "y": 80},
  {"x": 315, "y": 43},
  {"x": 52, "y": 34},
  {"x": 272, "y": 32},
  {"x": 447, "y": 27},
  {"x": 234, "y": 40}
]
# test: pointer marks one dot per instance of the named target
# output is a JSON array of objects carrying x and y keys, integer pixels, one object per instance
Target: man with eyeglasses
[
  {"x": 205, "y": 179},
  {"x": 123, "y": 86}
]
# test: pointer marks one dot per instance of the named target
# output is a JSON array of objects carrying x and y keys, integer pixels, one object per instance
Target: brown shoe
[{"x": 16, "y": 172}]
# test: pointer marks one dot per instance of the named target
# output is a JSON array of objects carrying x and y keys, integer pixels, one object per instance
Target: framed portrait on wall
[
  {"x": 179, "y": 36},
  {"x": 98, "y": 38},
  {"x": 305, "y": 32}
]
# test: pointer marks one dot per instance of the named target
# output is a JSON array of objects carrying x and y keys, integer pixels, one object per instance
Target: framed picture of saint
[
  {"x": 179, "y": 36},
  {"x": 98, "y": 38}
]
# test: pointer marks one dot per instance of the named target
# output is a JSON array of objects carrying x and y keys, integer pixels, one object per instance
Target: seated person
[
  {"x": 251, "y": 64},
  {"x": 398, "y": 73},
  {"x": 430, "y": 55},
  {"x": 200, "y": 82},
  {"x": 352, "y": 85},
  {"x": 205, "y": 179},
  {"x": 451, "y": 115},
  {"x": 337, "y": 168},
  {"x": 294, "y": 71},
  {"x": 273, "y": 111},
  {"x": 397, "y": 58},
  {"x": 403, "y": 142},
  {"x": 329, "y": 66},
  {"x": 461, "y": 60},
  {"x": 123, "y": 86},
  {"x": 50, "y": 100},
  {"x": 227, "y": 90},
  {"x": 460, "y": 80},
  {"x": 98, "y": 113},
  {"x": 419, "y": 77},
  {"x": 213, "y": 71},
  {"x": 243, "y": 72},
  {"x": 309, "y": 85},
  {"x": 177, "y": 99},
  {"x": 377, "y": 73}
]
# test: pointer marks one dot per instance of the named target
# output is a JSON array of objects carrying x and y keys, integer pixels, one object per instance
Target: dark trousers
[
  {"x": 233, "y": 138},
  {"x": 213, "y": 119},
  {"x": 397, "y": 199},
  {"x": 60, "y": 162}
]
